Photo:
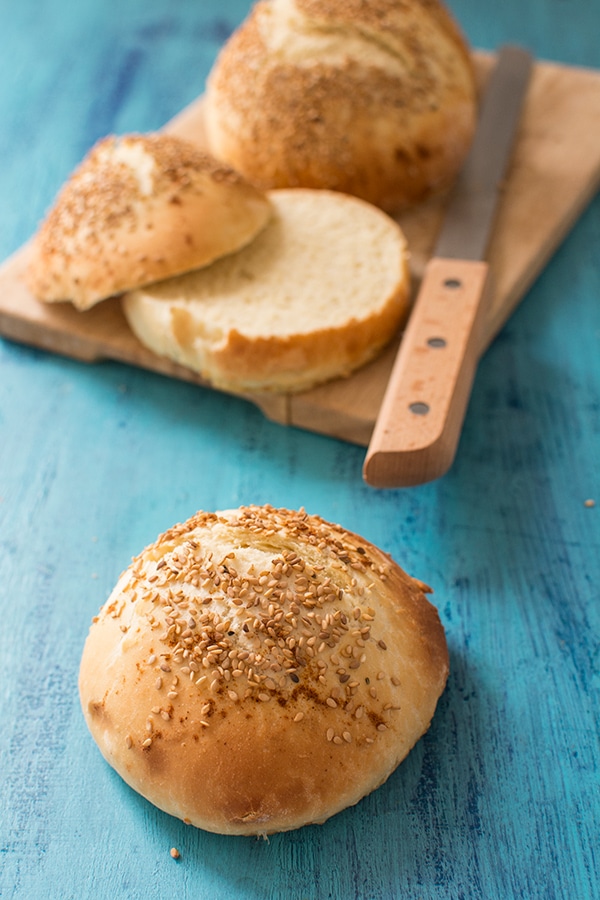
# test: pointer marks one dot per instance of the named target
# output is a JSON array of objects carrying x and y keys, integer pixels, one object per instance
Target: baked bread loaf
[
  {"x": 370, "y": 97},
  {"x": 258, "y": 669},
  {"x": 318, "y": 293},
  {"x": 140, "y": 208}
]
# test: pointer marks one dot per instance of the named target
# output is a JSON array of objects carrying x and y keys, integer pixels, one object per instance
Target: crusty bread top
[
  {"x": 259, "y": 669},
  {"x": 318, "y": 293},
  {"x": 375, "y": 99},
  {"x": 140, "y": 208}
]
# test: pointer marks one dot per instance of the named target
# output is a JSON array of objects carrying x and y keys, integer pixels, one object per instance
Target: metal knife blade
[{"x": 419, "y": 423}]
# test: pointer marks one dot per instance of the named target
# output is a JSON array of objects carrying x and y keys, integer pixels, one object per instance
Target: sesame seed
[
  {"x": 330, "y": 734},
  {"x": 337, "y": 739},
  {"x": 347, "y": 737},
  {"x": 128, "y": 742},
  {"x": 175, "y": 853},
  {"x": 382, "y": 644},
  {"x": 298, "y": 717},
  {"x": 331, "y": 702},
  {"x": 382, "y": 727},
  {"x": 395, "y": 681},
  {"x": 147, "y": 743}
]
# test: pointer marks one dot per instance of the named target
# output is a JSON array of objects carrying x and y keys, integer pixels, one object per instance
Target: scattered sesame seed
[
  {"x": 175, "y": 853},
  {"x": 590, "y": 503}
]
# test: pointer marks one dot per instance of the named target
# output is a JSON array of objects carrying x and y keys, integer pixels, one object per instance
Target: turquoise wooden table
[{"x": 501, "y": 797}]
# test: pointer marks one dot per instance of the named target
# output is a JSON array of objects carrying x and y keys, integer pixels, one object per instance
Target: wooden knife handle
[{"x": 419, "y": 423}]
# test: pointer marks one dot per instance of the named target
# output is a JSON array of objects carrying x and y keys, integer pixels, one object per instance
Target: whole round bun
[
  {"x": 317, "y": 294},
  {"x": 375, "y": 98},
  {"x": 258, "y": 669},
  {"x": 140, "y": 208}
]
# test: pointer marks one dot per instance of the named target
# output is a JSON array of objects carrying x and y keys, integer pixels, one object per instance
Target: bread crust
[
  {"x": 259, "y": 669},
  {"x": 174, "y": 320},
  {"x": 138, "y": 209},
  {"x": 374, "y": 99}
]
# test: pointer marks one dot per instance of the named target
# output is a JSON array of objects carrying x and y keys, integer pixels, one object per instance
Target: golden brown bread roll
[
  {"x": 369, "y": 97},
  {"x": 317, "y": 294},
  {"x": 140, "y": 208},
  {"x": 258, "y": 669}
]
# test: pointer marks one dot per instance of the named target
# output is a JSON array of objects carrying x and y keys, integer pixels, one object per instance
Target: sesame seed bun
[
  {"x": 140, "y": 208},
  {"x": 260, "y": 669},
  {"x": 370, "y": 98}
]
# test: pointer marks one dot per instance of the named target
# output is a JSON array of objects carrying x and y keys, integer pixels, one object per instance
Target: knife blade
[{"x": 419, "y": 423}]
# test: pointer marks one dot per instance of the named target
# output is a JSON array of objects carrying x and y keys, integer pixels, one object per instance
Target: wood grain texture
[
  {"x": 500, "y": 799},
  {"x": 420, "y": 419},
  {"x": 555, "y": 170}
]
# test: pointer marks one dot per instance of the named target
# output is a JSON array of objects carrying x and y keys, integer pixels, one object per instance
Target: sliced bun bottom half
[
  {"x": 318, "y": 293},
  {"x": 259, "y": 669}
]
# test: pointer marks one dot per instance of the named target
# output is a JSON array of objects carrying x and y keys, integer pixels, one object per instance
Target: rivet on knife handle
[
  {"x": 421, "y": 416},
  {"x": 419, "y": 423}
]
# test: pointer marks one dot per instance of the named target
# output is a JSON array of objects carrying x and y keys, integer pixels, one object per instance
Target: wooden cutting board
[{"x": 555, "y": 172}]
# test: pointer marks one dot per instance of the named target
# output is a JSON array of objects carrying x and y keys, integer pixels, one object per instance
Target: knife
[{"x": 418, "y": 427}]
